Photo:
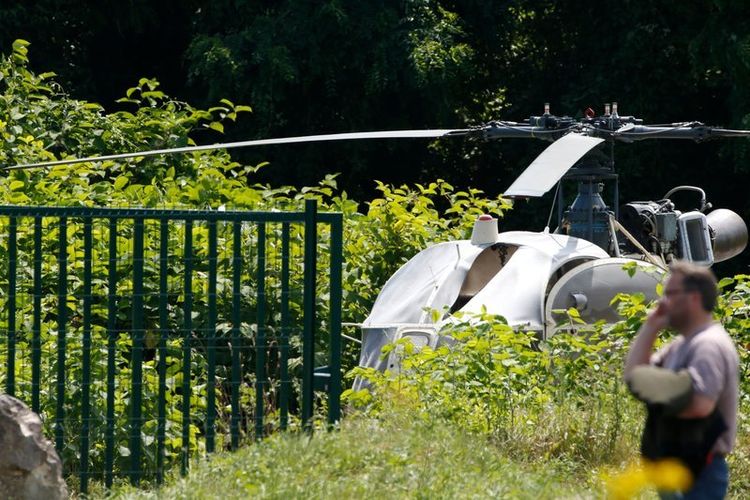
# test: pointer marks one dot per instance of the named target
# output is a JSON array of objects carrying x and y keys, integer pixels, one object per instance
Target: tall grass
[
  {"x": 402, "y": 455},
  {"x": 394, "y": 457}
]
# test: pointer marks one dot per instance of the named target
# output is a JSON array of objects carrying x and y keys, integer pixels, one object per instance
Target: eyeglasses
[{"x": 677, "y": 291}]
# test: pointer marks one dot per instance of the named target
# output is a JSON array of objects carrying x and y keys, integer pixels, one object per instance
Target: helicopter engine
[
  {"x": 672, "y": 234},
  {"x": 588, "y": 216}
]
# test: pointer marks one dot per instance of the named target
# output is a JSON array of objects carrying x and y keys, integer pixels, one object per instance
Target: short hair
[{"x": 699, "y": 279}]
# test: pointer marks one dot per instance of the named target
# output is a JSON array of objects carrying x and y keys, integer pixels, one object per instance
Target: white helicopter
[
  {"x": 528, "y": 277},
  {"x": 531, "y": 278}
]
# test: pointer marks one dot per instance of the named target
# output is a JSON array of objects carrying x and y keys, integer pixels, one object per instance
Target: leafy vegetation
[
  {"x": 333, "y": 66},
  {"x": 517, "y": 391},
  {"x": 39, "y": 121}
]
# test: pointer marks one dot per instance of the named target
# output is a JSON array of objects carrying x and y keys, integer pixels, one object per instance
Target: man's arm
[
  {"x": 708, "y": 370},
  {"x": 700, "y": 406},
  {"x": 643, "y": 344}
]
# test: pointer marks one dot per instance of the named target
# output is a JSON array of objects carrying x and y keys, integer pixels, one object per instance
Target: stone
[{"x": 29, "y": 465}]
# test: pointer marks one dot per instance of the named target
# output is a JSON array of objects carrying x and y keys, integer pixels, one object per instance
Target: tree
[{"x": 337, "y": 66}]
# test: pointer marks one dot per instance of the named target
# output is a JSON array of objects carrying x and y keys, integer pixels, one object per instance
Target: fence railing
[{"x": 143, "y": 337}]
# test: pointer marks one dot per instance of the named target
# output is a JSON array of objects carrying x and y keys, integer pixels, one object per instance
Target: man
[{"x": 707, "y": 354}]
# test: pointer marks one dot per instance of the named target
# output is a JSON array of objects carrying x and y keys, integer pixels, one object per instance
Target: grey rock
[{"x": 29, "y": 465}]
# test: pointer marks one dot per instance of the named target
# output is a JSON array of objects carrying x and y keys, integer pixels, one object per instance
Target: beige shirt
[{"x": 712, "y": 361}]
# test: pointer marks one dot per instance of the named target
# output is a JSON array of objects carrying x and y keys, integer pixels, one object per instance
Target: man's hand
[
  {"x": 643, "y": 344},
  {"x": 658, "y": 319}
]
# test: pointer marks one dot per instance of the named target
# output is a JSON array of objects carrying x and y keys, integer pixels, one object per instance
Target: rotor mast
[{"x": 588, "y": 216}]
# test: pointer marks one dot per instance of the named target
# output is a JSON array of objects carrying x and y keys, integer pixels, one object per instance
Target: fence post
[
  {"x": 86, "y": 369},
  {"x": 163, "y": 332},
  {"x": 211, "y": 340},
  {"x": 62, "y": 309},
  {"x": 285, "y": 382},
  {"x": 334, "y": 394},
  {"x": 10, "y": 381},
  {"x": 260, "y": 333},
  {"x": 109, "y": 438},
  {"x": 308, "y": 340},
  {"x": 136, "y": 370},
  {"x": 187, "y": 345},
  {"x": 36, "y": 341},
  {"x": 234, "y": 423}
]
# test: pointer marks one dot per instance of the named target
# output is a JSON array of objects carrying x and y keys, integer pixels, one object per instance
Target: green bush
[{"x": 545, "y": 398}]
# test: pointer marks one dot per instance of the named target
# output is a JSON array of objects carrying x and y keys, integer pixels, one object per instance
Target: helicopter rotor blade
[
  {"x": 387, "y": 134},
  {"x": 550, "y": 166},
  {"x": 695, "y": 131}
]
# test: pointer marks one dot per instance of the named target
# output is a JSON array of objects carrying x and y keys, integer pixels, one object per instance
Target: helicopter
[{"x": 532, "y": 278}]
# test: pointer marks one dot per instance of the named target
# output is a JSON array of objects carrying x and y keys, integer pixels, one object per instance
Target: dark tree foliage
[
  {"x": 336, "y": 66},
  {"x": 100, "y": 48},
  {"x": 333, "y": 66}
]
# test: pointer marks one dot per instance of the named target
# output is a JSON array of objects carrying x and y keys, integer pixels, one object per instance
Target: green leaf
[
  {"x": 216, "y": 126},
  {"x": 630, "y": 268},
  {"x": 724, "y": 282},
  {"x": 120, "y": 182},
  {"x": 19, "y": 47}
]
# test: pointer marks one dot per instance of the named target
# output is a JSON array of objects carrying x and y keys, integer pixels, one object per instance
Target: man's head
[{"x": 690, "y": 295}]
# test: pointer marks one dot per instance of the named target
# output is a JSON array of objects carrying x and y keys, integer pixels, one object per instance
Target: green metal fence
[{"x": 144, "y": 337}]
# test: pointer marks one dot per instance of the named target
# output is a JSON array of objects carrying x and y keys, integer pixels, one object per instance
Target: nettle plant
[
  {"x": 557, "y": 398},
  {"x": 488, "y": 371},
  {"x": 734, "y": 312}
]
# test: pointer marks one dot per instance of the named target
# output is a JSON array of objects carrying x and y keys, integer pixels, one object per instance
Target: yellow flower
[{"x": 666, "y": 475}]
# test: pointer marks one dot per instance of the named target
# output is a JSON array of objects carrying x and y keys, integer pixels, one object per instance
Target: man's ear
[{"x": 697, "y": 300}]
